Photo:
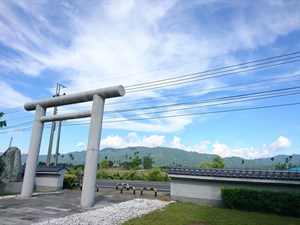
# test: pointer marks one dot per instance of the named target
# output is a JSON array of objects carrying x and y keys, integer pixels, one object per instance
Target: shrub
[
  {"x": 280, "y": 202},
  {"x": 101, "y": 174},
  {"x": 70, "y": 180},
  {"x": 155, "y": 175}
]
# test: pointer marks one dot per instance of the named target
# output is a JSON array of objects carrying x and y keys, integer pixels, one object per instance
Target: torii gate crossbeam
[{"x": 98, "y": 97}]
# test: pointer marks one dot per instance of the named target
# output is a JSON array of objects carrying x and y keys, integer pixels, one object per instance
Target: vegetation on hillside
[
  {"x": 285, "y": 165},
  {"x": 217, "y": 162},
  {"x": 167, "y": 157}
]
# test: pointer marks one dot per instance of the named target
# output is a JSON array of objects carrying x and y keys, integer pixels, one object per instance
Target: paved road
[{"x": 160, "y": 186}]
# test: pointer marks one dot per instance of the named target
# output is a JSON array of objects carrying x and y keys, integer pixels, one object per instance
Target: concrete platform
[{"x": 44, "y": 206}]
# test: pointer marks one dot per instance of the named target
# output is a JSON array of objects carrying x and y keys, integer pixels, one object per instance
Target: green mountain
[{"x": 170, "y": 157}]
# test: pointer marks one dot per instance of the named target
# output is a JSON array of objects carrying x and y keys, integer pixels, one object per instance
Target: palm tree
[
  {"x": 2, "y": 123},
  {"x": 71, "y": 156}
]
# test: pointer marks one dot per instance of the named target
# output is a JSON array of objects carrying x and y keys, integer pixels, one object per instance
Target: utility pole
[
  {"x": 57, "y": 144},
  {"x": 10, "y": 142},
  {"x": 57, "y": 93}
]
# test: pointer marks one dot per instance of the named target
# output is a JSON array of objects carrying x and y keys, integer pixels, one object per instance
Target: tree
[
  {"x": 286, "y": 165},
  {"x": 111, "y": 163},
  {"x": 71, "y": 156},
  {"x": 134, "y": 163},
  {"x": 217, "y": 162},
  {"x": 148, "y": 162},
  {"x": 104, "y": 164},
  {"x": 3, "y": 122}
]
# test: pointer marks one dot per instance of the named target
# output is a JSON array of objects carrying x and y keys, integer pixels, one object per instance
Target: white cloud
[
  {"x": 201, "y": 147},
  {"x": 163, "y": 125},
  {"x": 280, "y": 143},
  {"x": 93, "y": 45},
  {"x": 113, "y": 141},
  {"x": 132, "y": 139},
  {"x": 224, "y": 150},
  {"x": 80, "y": 145},
  {"x": 10, "y": 97},
  {"x": 176, "y": 143}
]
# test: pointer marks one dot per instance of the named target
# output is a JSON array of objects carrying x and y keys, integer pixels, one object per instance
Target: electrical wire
[{"x": 137, "y": 87}]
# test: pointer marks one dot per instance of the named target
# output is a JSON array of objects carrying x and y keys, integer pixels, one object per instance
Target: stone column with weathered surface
[
  {"x": 33, "y": 153},
  {"x": 91, "y": 161}
]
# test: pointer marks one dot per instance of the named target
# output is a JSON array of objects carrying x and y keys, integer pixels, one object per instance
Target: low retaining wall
[{"x": 207, "y": 189}]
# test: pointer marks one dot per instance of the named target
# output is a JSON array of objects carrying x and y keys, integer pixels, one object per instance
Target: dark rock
[{"x": 12, "y": 165}]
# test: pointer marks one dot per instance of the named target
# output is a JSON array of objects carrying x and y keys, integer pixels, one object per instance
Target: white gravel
[{"x": 111, "y": 215}]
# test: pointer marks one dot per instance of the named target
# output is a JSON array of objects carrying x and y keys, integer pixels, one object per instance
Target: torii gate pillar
[
  {"x": 91, "y": 161},
  {"x": 98, "y": 97}
]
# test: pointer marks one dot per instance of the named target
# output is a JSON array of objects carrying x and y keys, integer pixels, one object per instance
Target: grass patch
[{"x": 181, "y": 213}]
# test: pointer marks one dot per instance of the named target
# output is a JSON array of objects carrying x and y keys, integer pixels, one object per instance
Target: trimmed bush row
[{"x": 279, "y": 202}]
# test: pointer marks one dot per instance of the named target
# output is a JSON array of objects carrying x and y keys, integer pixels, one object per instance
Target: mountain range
[{"x": 164, "y": 157}]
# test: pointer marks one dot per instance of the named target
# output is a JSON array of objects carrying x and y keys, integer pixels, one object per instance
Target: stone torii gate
[{"x": 98, "y": 97}]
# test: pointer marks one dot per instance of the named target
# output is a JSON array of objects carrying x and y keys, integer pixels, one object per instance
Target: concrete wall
[
  {"x": 43, "y": 182},
  {"x": 207, "y": 190},
  {"x": 48, "y": 182}
]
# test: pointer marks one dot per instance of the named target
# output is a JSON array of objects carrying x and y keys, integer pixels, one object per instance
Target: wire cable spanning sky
[{"x": 214, "y": 77}]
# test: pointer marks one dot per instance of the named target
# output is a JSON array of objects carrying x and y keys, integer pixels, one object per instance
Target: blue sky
[{"x": 155, "y": 45}]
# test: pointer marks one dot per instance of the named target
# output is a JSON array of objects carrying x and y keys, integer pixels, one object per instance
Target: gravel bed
[{"x": 111, "y": 215}]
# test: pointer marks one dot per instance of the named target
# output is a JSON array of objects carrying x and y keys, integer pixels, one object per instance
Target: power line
[
  {"x": 164, "y": 68},
  {"x": 201, "y": 101},
  {"x": 192, "y": 114},
  {"x": 215, "y": 104},
  {"x": 215, "y": 88},
  {"x": 169, "y": 82},
  {"x": 220, "y": 70},
  {"x": 173, "y": 83},
  {"x": 203, "y": 113},
  {"x": 248, "y": 96},
  {"x": 179, "y": 115}
]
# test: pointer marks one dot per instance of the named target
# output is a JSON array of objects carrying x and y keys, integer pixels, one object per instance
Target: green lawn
[{"x": 191, "y": 214}]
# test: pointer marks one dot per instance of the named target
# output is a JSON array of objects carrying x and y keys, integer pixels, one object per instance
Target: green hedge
[
  {"x": 70, "y": 180},
  {"x": 280, "y": 202}
]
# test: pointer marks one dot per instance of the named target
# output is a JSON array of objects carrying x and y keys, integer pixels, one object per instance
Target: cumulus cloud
[
  {"x": 176, "y": 143},
  {"x": 224, "y": 150},
  {"x": 113, "y": 141},
  {"x": 205, "y": 146},
  {"x": 132, "y": 139},
  {"x": 280, "y": 143},
  {"x": 80, "y": 145},
  {"x": 200, "y": 147}
]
